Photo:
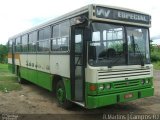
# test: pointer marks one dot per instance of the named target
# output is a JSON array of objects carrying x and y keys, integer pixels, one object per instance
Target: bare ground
[{"x": 35, "y": 100}]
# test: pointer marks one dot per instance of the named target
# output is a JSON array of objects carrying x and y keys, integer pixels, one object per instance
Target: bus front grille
[
  {"x": 128, "y": 83},
  {"x": 128, "y": 74}
]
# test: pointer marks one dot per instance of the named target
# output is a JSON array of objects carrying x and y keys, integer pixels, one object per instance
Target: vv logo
[{"x": 101, "y": 12}]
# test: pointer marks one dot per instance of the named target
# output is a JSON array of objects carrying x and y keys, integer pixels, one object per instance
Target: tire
[
  {"x": 19, "y": 79},
  {"x": 61, "y": 96}
]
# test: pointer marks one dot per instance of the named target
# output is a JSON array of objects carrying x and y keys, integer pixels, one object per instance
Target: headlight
[
  {"x": 108, "y": 86},
  {"x": 143, "y": 81},
  {"x": 147, "y": 81},
  {"x": 101, "y": 87}
]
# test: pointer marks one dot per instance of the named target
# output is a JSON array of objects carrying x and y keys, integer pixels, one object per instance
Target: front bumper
[{"x": 104, "y": 100}]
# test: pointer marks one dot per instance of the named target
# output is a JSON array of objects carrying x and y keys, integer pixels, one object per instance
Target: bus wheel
[
  {"x": 61, "y": 96},
  {"x": 20, "y": 80}
]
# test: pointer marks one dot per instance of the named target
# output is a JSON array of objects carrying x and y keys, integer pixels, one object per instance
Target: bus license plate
[{"x": 129, "y": 95}]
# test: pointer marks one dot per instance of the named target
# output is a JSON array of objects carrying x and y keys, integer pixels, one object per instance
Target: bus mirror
[{"x": 78, "y": 20}]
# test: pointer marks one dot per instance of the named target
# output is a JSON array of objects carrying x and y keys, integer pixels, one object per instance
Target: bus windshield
[{"x": 112, "y": 46}]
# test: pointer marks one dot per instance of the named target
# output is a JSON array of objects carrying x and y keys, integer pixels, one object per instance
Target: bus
[{"x": 94, "y": 56}]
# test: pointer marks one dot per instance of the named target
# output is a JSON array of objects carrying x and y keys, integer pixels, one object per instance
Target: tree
[{"x": 3, "y": 53}]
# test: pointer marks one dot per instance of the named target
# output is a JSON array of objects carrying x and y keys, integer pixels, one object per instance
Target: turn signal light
[{"x": 92, "y": 87}]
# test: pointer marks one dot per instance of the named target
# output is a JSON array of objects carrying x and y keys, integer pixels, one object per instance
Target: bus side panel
[
  {"x": 24, "y": 73},
  {"x": 23, "y": 66},
  {"x": 17, "y": 59},
  {"x": 24, "y": 60},
  {"x": 44, "y": 80},
  {"x": 28, "y": 69},
  {"x": 37, "y": 77},
  {"x": 32, "y": 61},
  {"x": 60, "y": 65},
  {"x": 43, "y": 63},
  {"x": 33, "y": 65},
  {"x": 32, "y": 76}
]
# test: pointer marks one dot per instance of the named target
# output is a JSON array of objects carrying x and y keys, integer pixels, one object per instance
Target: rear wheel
[
  {"x": 20, "y": 80},
  {"x": 61, "y": 96}
]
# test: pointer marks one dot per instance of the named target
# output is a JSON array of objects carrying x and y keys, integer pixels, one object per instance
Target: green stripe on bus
[
  {"x": 40, "y": 78},
  {"x": 67, "y": 88},
  {"x": 44, "y": 80}
]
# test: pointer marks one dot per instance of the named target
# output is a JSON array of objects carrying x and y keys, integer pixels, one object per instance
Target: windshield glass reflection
[{"x": 110, "y": 48}]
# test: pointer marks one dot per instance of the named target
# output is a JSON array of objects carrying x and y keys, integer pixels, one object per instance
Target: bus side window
[
  {"x": 78, "y": 45},
  {"x": 44, "y": 38},
  {"x": 18, "y": 44},
  {"x": 32, "y": 41},
  {"x": 60, "y": 40},
  {"x": 64, "y": 45},
  {"x": 25, "y": 43},
  {"x": 10, "y": 46}
]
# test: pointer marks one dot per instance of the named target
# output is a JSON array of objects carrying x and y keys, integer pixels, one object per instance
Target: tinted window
[
  {"x": 32, "y": 41},
  {"x": 33, "y": 37},
  {"x": 25, "y": 43},
  {"x": 107, "y": 45},
  {"x": 44, "y": 45},
  {"x": 10, "y": 46},
  {"x": 138, "y": 49},
  {"x": 44, "y": 36},
  {"x": 60, "y": 40},
  {"x": 64, "y": 29},
  {"x": 18, "y": 41},
  {"x": 56, "y": 32},
  {"x": 45, "y": 33},
  {"x": 18, "y": 44}
]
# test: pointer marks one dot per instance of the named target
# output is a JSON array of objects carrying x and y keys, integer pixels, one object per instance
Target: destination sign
[{"x": 120, "y": 15}]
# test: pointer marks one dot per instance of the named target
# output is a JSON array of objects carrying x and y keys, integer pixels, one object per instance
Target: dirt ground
[{"x": 35, "y": 100}]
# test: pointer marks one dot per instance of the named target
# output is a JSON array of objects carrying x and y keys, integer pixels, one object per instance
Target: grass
[
  {"x": 155, "y": 58},
  {"x": 8, "y": 81},
  {"x": 156, "y": 65}
]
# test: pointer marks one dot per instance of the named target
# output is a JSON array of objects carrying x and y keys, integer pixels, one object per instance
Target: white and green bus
[{"x": 94, "y": 56}]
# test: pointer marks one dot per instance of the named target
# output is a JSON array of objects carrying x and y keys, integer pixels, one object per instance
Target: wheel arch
[
  {"x": 17, "y": 69},
  {"x": 55, "y": 80}
]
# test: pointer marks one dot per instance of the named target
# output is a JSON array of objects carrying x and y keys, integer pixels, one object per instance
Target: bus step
[{"x": 79, "y": 103}]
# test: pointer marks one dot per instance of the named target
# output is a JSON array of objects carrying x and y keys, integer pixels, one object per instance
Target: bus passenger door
[{"x": 77, "y": 64}]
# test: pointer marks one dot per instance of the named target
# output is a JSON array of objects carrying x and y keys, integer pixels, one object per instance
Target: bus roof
[{"x": 86, "y": 9}]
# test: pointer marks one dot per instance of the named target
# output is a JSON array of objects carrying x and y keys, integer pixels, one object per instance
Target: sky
[{"x": 19, "y": 15}]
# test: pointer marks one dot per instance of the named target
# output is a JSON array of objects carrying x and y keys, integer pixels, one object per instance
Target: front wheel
[{"x": 61, "y": 96}]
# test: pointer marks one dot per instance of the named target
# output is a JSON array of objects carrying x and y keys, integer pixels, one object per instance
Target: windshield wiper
[
  {"x": 116, "y": 59},
  {"x": 138, "y": 50}
]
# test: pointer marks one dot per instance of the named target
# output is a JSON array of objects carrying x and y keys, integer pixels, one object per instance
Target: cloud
[
  {"x": 19, "y": 15},
  {"x": 155, "y": 37}
]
